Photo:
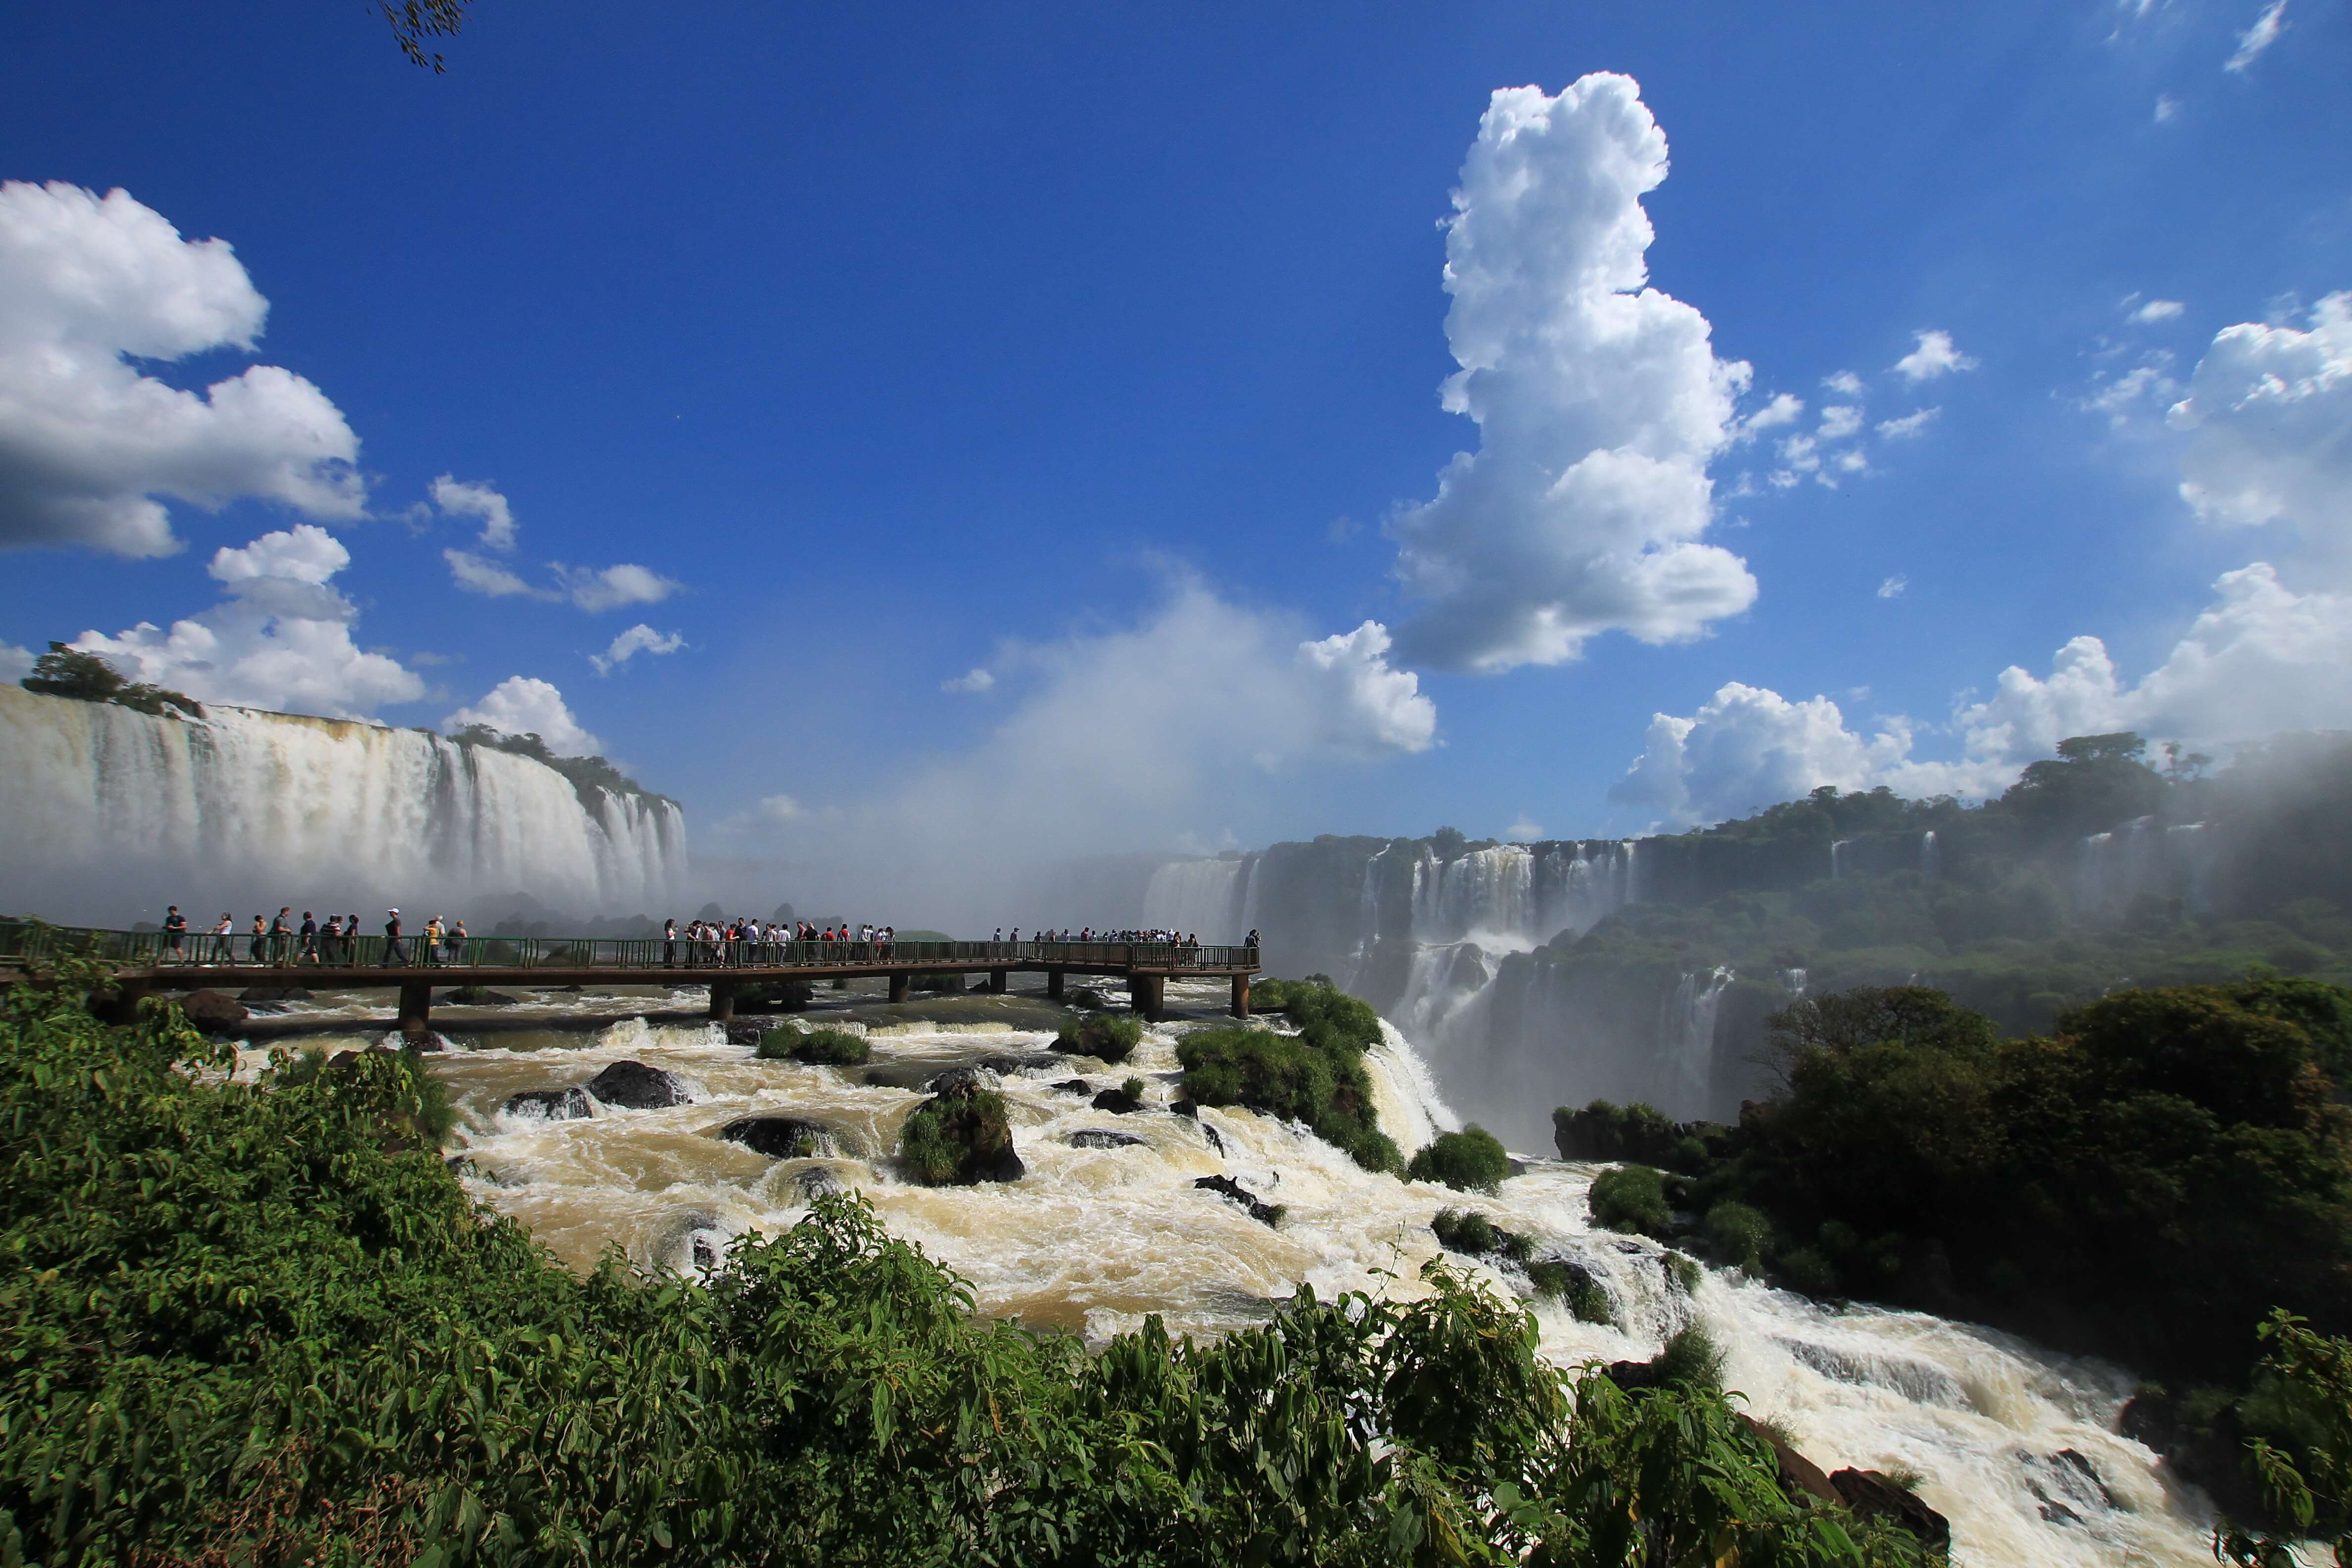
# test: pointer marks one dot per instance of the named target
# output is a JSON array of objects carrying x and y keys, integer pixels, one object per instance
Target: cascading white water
[
  {"x": 1686, "y": 1032},
  {"x": 1368, "y": 922},
  {"x": 1837, "y": 857},
  {"x": 113, "y": 812},
  {"x": 1794, "y": 980},
  {"x": 2016, "y": 1445},
  {"x": 1490, "y": 892},
  {"x": 1200, "y": 898},
  {"x": 1931, "y": 856}
]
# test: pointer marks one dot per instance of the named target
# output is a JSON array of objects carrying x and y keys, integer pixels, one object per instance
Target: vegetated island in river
[{"x": 263, "y": 1323}]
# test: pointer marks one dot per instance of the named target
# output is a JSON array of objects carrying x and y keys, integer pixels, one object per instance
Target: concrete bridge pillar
[
  {"x": 1054, "y": 983},
  {"x": 416, "y": 1008},
  {"x": 1147, "y": 993},
  {"x": 722, "y": 1001},
  {"x": 1241, "y": 995},
  {"x": 899, "y": 981},
  {"x": 996, "y": 983}
]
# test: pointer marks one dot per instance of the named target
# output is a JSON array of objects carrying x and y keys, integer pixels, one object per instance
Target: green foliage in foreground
[
  {"x": 1472, "y": 1159},
  {"x": 825, "y": 1047},
  {"x": 1104, "y": 1036},
  {"x": 1291, "y": 1075},
  {"x": 2300, "y": 1454},
  {"x": 240, "y": 1323},
  {"x": 2149, "y": 1182}
]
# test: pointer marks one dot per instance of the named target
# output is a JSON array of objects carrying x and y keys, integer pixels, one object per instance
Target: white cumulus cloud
[
  {"x": 1908, "y": 425},
  {"x": 1364, "y": 708},
  {"x": 1934, "y": 356},
  {"x": 975, "y": 679},
  {"x": 478, "y": 574},
  {"x": 282, "y": 638},
  {"x": 2269, "y": 423},
  {"x": 2158, "y": 311},
  {"x": 2261, "y": 658},
  {"x": 1840, "y": 421},
  {"x": 1784, "y": 409},
  {"x": 612, "y": 586},
  {"x": 86, "y": 441},
  {"x": 1844, "y": 382},
  {"x": 524, "y": 705},
  {"x": 1599, "y": 400},
  {"x": 2256, "y": 39},
  {"x": 461, "y": 499},
  {"x": 1893, "y": 588},
  {"x": 639, "y": 638}
]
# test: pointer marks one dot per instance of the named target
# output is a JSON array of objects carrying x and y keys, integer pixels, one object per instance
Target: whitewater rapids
[{"x": 2015, "y": 1445}]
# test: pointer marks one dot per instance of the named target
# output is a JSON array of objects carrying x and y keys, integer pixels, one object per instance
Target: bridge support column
[
  {"x": 415, "y": 1008},
  {"x": 722, "y": 1001},
  {"x": 898, "y": 984},
  {"x": 1054, "y": 983},
  {"x": 1149, "y": 994},
  {"x": 996, "y": 983},
  {"x": 1241, "y": 995}
]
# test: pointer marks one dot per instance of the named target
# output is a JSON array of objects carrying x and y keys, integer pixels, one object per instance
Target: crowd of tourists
[{"x": 284, "y": 942}]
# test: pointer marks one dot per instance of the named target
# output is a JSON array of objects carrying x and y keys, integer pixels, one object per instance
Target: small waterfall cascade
[
  {"x": 1931, "y": 856},
  {"x": 1686, "y": 1034},
  {"x": 1575, "y": 889},
  {"x": 1203, "y": 897},
  {"x": 1793, "y": 981},
  {"x": 2139, "y": 856},
  {"x": 2090, "y": 871},
  {"x": 1837, "y": 857},
  {"x": 2191, "y": 846},
  {"x": 1368, "y": 920},
  {"x": 247, "y": 809}
]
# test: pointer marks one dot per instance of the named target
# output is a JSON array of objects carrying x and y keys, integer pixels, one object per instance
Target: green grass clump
[
  {"x": 1471, "y": 1232},
  {"x": 1684, "y": 1273},
  {"x": 374, "y": 1369},
  {"x": 1470, "y": 1160},
  {"x": 1631, "y": 1198},
  {"x": 1108, "y": 1036},
  {"x": 1693, "y": 1359},
  {"x": 822, "y": 1047}
]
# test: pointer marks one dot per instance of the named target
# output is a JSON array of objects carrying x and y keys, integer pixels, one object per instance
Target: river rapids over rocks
[{"x": 2015, "y": 1444}]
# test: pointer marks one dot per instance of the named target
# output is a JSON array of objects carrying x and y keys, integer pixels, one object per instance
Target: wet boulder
[
  {"x": 1227, "y": 1187},
  {"x": 1074, "y": 1086},
  {"x": 780, "y": 1137},
  {"x": 633, "y": 1086},
  {"x": 1101, "y": 1138},
  {"x": 1873, "y": 1495},
  {"x": 960, "y": 1136},
  {"x": 551, "y": 1105},
  {"x": 1120, "y": 1101},
  {"x": 273, "y": 994},
  {"x": 213, "y": 1012},
  {"x": 744, "y": 1034},
  {"x": 475, "y": 996},
  {"x": 818, "y": 1180}
]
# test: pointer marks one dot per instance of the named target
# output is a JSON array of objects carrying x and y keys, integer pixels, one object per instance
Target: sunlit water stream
[{"x": 2015, "y": 1445}]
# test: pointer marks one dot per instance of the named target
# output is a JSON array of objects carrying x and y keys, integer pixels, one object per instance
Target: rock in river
[
  {"x": 634, "y": 1086},
  {"x": 780, "y": 1137},
  {"x": 551, "y": 1104}
]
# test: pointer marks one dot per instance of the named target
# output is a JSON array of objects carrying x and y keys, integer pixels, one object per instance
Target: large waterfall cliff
[
  {"x": 107, "y": 813},
  {"x": 1533, "y": 976}
]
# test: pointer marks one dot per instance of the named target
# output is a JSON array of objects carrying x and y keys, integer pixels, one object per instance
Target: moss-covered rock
[
  {"x": 1470, "y": 1160},
  {"x": 959, "y": 1137},
  {"x": 1105, "y": 1036}
]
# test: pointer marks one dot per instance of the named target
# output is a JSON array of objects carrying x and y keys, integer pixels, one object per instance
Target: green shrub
[
  {"x": 244, "y": 1326},
  {"x": 1808, "y": 1270},
  {"x": 1466, "y": 1161},
  {"x": 1110, "y": 1038},
  {"x": 1684, "y": 1273},
  {"x": 1292, "y": 1077},
  {"x": 1692, "y": 1358},
  {"x": 1133, "y": 1089},
  {"x": 1603, "y": 1131},
  {"x": 1631, "y": 1198},
  {"x": 1741, "y": 1233},
  {"x": 1471, "y": 1232}
]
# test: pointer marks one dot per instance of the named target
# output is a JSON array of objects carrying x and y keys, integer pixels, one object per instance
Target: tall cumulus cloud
[
  {"x": 1599, "y": 400},
  {"x": 89, "y": 441}
]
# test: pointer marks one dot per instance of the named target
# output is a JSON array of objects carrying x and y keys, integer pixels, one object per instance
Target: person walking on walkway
[
  {"x": 309, "y": 952},
  {"x": 256, "y": 944},
  {"x": 669, "y": 942},
  {"x": 281, "y": 936},
  {"x": 457, "y": 942},
  {"x": 392, "y": 951},
  {"x": 175, "y": 931},
  {"x": 221, "y": 939}
]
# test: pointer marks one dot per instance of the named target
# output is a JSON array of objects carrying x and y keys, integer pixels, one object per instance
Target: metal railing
[{"x": 31, "y": 941}]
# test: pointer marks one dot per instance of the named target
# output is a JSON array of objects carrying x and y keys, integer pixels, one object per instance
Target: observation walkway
[{"x": 145, "y": 961}]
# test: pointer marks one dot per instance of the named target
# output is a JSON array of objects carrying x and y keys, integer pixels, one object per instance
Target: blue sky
[{"x": 1101, "y": 349}]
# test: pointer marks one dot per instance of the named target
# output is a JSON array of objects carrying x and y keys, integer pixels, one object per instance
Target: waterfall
[
  {"x": 1686, "y": 1034},
  {"x": 2191, "y": 847},
  {"x": 1202, "y": 898},
  {"x": 1490, "y": 892},
  {"x": 1368, "y": 920},
  {"x": 1794, "y": 980},
  {"x": 2089, "y": 872},
  {"x": 110, "y": 810},
  {"x": 1836, "y": 857},
  {"x": 1931, "y": 856}
]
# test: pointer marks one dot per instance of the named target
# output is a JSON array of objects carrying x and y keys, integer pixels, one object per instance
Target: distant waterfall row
[
  {"x": 111, "y": 811},
  {"x": 2141, "y": 855}
]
